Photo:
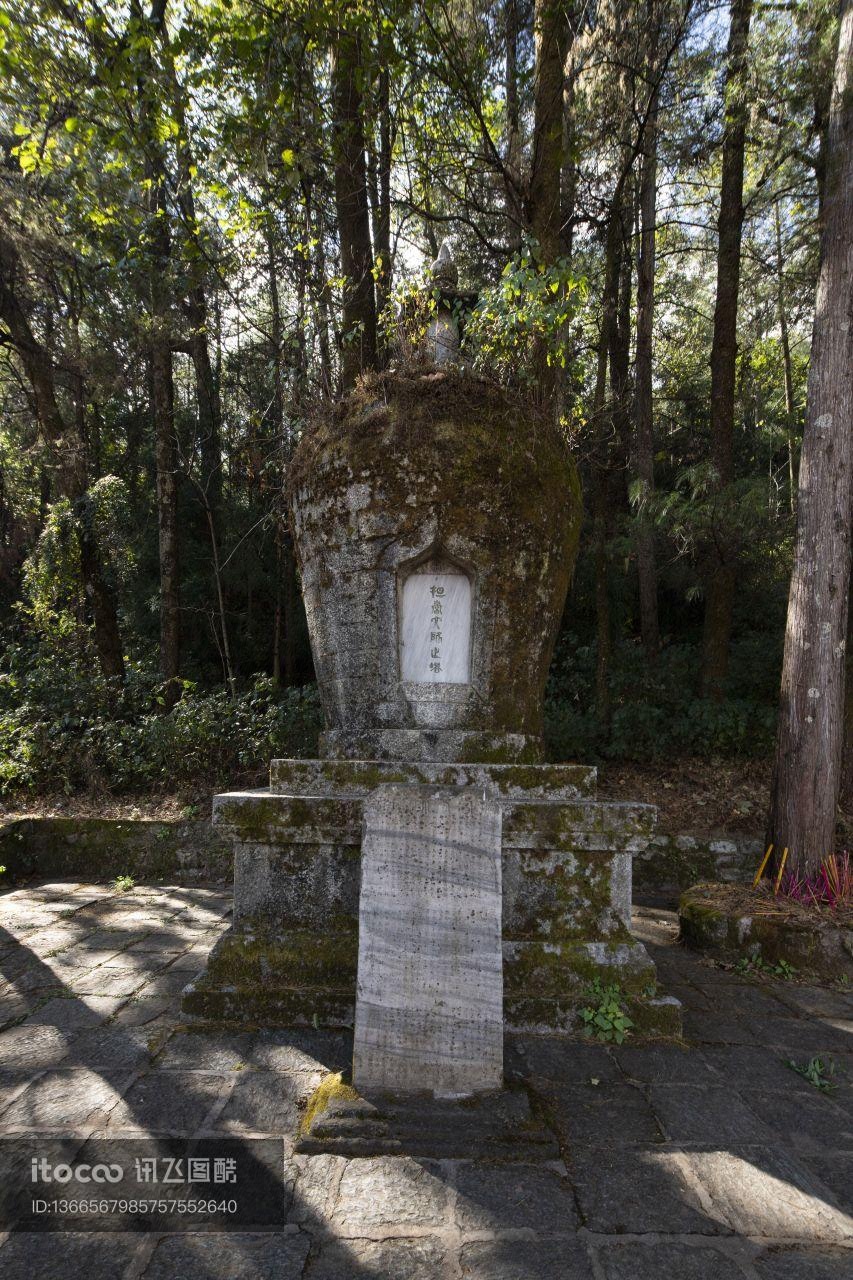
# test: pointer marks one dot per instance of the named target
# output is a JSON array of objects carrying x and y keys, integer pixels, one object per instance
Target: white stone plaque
[
  {"x": 429, "y": 1000},
  {"x": 435, "y": 631}
]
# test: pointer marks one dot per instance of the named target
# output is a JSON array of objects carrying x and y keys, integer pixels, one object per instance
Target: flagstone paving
[{"x": 711, "y": 1159}]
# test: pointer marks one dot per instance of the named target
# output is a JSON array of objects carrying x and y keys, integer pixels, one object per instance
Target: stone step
[
  {"x": 599, "y": 827},
  {"x": 495, "y": 1126},
  {"x": 360, "y": 777}
]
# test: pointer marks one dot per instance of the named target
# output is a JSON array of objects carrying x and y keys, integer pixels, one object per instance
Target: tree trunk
[
  {"x": 514, "y": 213},
  {"x": 846, "y": 797},
  {"x": 165, "y": 454},
  {"x": 786, "y": 357},
  {"x": 807, "y": 770},
  {"x": 207, "y": 400},
  {"x": 601, "y": 477},
  {"x": 102, "y": 602},
  {"x": 281, "y": 622},
  {"x": 720, "y": 587},
  {"x": 644, "y": 438},
  {"x": 569, "y": 176},
  {"x": 358, "y": 335},
  {"x": 546, "y": 165},
  {"x": 382, "y": 205},
  {"x": 161, "y": 376}
]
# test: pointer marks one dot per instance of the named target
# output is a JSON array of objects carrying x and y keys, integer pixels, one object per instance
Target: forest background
[{"x": 213, "y": 214}]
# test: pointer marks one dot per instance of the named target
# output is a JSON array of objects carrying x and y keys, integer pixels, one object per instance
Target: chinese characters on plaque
[{"x": 436, "y": 628}]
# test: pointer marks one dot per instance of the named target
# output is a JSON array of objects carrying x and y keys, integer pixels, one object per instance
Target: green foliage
[
  {"x": 530, "y": 307},
  {"x": 755, "y": 963},
  {"x": 54, "y": 590},
  {"x": 64, "y": 727},
  {"x": 656, "y": 711},
  {"x": 605, "y": 1017},
  {"x": 124, "y": 883},
  {"x": 819, "y": 1072}
]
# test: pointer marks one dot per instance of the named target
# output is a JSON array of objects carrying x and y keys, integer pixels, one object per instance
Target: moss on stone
[
  {"x": 654, "y": 1016},
  {"x": 102, "y": 848},
  {"x": 331, "y": 1089},
  {"x": 716, "y": 918},
  {"x": 490, "y": 473},
  {"x": 255, "y": 956},
  {"x": 667, "y": 863}
]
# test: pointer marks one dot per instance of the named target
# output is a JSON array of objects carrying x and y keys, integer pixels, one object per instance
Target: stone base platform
[
  {"x": 291, "y": 957},
  {"x": 499, "y": 1126}
]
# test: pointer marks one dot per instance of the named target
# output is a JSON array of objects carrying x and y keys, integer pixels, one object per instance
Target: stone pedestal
[
  {"x": 291, "y": 956},
  {"x": 428, "y": 860}
]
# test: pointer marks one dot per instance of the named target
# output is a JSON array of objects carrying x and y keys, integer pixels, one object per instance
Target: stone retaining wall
[
  {"x": 107, "y": 847},
  {"x": 678, "y": 861},
  {"x": 102, "y": 848}
]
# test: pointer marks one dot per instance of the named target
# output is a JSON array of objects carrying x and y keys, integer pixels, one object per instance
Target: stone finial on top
[{"x": 444, "y": 273}]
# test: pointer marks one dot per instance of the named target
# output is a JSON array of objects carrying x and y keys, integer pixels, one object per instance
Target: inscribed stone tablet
[
  {"x": 435, "y": 635},
  {"x": 429, "y": 1003}
]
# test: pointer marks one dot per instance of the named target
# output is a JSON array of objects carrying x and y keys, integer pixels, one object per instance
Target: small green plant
[
  {"x": 756, "y": 964},
  {"x": 817, "y": 1071},
  {"x": 605, "y": 1017},
  {"x": 123, "y": 883}
]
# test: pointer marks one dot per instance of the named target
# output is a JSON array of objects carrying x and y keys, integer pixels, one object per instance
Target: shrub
[
  {"x": 63, "y": 726},
  {"x": 655, "y": 711}
]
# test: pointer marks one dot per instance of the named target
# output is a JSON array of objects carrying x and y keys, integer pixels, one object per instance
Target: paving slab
[
  {"x": 664, "y": 1063},
  {"x": 713, "y": 1027},
  {"x": 142, "y": 1011},
  {"x": 75, "y": 1012},
  {"x": 804, "y": 1264},
  {"x": 32, "y": 1047},
  {"x": 396, "y": 1259},
  {"x": 810, "y": 1122},
  {"x": 14, "y": 1008},
  {"x": 212, "y": 1051},
  {"x": 808, "y": 1036},
  {"x": 295, "y": 1049},
  {"x": 765, "y": 1192},
  {"x": 65, "y": 1101},
  {"x": 493, "y": 1197},
  {"x": 98, "y": 1255},
  {"x": 229, "y": 1256},
  {"x": 755, "y": 1067},
  {"x": 526, "y": 1260},
  {"x": 601, "y": 1115},
  {"x": 565, "y": 1059},
  {"x": 636, "y": 1190},
  {"x": 109, "y": 1048},
  {"x": 263, "y": 1102},
  {"x": 315, "y": 1193},
  {"x": 711, "y": 1114},
  {"x": 389, "y": 1191},
  {"x": 174, "y": 1102},
  {"x": 669, "y": 1261}
]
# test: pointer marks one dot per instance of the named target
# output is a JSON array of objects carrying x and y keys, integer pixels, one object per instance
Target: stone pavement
[{"x": 707, "y": 1160}]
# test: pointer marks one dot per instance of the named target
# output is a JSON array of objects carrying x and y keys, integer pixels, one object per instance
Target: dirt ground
[
  {"x": 695, "y": 795},
  {"x": 691, "y": 795}
]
